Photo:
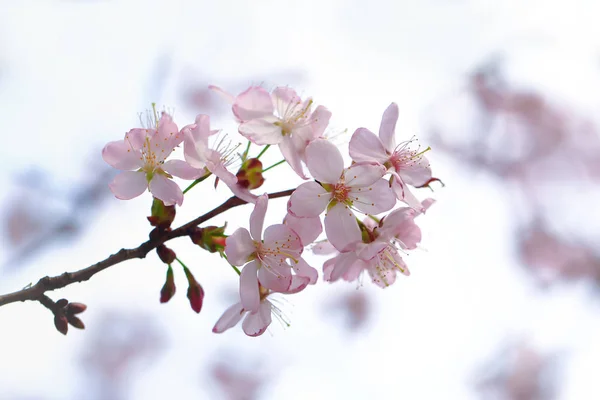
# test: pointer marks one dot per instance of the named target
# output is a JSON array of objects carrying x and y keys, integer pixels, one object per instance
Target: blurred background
[{"x": 503, "y": 300}]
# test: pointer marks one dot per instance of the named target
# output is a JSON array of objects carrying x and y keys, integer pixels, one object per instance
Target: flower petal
[
  {"x": 292, "y": 156},
  {"x": 257, "y": 217},
  {"x": 375, "y": 199},
  {"x": 121, "y": 155},
  {"x": 286, "y": 100},
  {"x": 254, "y": 102},
  {"x": 255, "y": 324},
  {"x": 324, "y": 161},
  {"x": 229, "y": 319},
  {"x": 404, "y": 194},
  {"x": 277, "y": 279},
  {"x": 363, "y": 174},
  {"x": 137, "y": 136},
  {"x": 366, "y": 146},
  {"x": 308, "y": 200},
  {"x": 303, "y": 269},
  {"x": 320, "y": 118},
  {"x": 225, "y": 95},
  {"x": 308, "y": 228},
  {"x": 298, "y": 284},
  {"x": 416, "y": 173},
  {"x": 281, "y": 238},
  {"x": 323, "y": 248},
  {"x": 341, "y": 227},
  {"x": 342, "y": 264},
  {"x": 261, "y": 130},
  {"x": 194, "y": 152},
  {"x": 166, "y": 190},
  {"x": 239, "y": 246},
  {"x": 182, "y": 170},
  {"x": 129, "y": 184},
  {"x": 387, "y": 129},
  {"x": 249, "y": 294}
]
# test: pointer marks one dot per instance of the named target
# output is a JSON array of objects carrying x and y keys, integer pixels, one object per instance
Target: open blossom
[
  {"x": 141, "y": 155},
  {"x": 266, "y": 260},
  {"x": 408, "y": 166},
  {"x": 280, "y": 118},
  {"x": 340, "y": 190},
  {"x": 199, "y": 155},
  {"x": 379, "y": 251},
  {"x": 256, "y": 322}
]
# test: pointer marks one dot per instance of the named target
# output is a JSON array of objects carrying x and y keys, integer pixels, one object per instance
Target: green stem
[
  {"x": 197, "y": 181},
  {"x": 182, "y": 264},
  {"x": 273, "y": 166},
  {"x": 245, "y": 154},
  {"x": 236, "y": 269},
  {"x": 263, "y": 151}
]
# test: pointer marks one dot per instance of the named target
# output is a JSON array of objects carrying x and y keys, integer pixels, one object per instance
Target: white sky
[{"x": 74, "y": 75}]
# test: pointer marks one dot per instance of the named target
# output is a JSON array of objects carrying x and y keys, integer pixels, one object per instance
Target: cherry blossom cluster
[{"x": 355, "y": 202}]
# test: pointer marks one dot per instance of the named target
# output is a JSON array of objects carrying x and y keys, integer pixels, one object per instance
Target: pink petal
[
  {"x": 257, "y": 218},
  {"x": 342, "y": 264},
  {"x": 239, "y": 246},
  {"x": 254, "y": 102},
  {"x": 262, "y": 130},
  {"x": 303, "y": 269},
  {"x": 195, "y": 152},
  {"x": 298, "y": 284},
  {"x": 308, "y": 229},
  {"x": 166, "y": 190},
  {"x": 225, "y": 95},
  {"x": 285, "y": 100},
  {"x": 255, "y": 324},
  {"x": 323, "y": 248},
  {"x": 277, "y": 279},
  {"x": 363, "y": 174},
  {"x": 366, "y": 251},
  {"x": 341, "y": 227},
  {"x": 320, "y": 118},
  {"x": 374, "y": 199},
  {"x": 201, "y": 129},
  {"x": 137, "y": 136},
  {"x": 231, "y": 181},
  {"x": 387, "y": 129},
  {"x": 129, "y": 184},
  {"x": 417, "y": 173},
  {"x": 229, "y": 319},
  {"x": 292, "y": 156},
  {"x": 121, "y": 155},
  {"x": 404, "y": 194},
  {"x": 182, "y": 170},
  {"x": 281, "y": 237},
  {"x": 366, "y": 146},
  {"x": 324, "y": 161},
  {"x": 308, "y": 200},
  {"x": 249, "y": 294}
]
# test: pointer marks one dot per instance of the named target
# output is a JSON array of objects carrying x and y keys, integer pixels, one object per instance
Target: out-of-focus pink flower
[
  {"x": 141, "y": 155},
  {"x": 256, "y": 322},
  {"x": 408, "y": 167},
  {"x": 280, "y": 118},
  {"x": 199, "y": 155},
  {"x": 339, "y": 191},
  {"x": 266, "y": 260}
]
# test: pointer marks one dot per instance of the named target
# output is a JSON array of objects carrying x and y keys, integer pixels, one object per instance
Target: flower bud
[
  {"x": 75, "y": 308},
  {"x": 162, "y": 216},
  {"x": 62, "y": 303},
  {"x": 61, "y": 324},
  {"x": 195, "y": 293},
  {"x": 74, "y": 321},
  {"x": 250, "y": 174},
  {"x": 210, "y": 238},
  {"x": 165, "y": 254},
  {"x": 168, "y": 290}
]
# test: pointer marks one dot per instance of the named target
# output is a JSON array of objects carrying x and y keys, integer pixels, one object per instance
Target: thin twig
[{"x": 48, "y": 283}]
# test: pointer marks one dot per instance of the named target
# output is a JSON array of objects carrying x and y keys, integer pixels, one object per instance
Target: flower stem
[
  {"x": 273, "y": 166},
  {"x": 263, "y": 151},
  {"x": 182, "y": 264},
  {"x": 197, "y": 181},
  {"x": 245, "y": 154}
]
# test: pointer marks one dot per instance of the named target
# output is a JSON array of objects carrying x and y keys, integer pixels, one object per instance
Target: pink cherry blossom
[
  {"x": 407, "y": 166},
  {"x": 265, "y": 259},
  {"x": 141, "y": 155},
  {"x": 201, "y": 156},
  {"x": 256, "y": 322},
  {"x": 340, "y": 190},
  {"x": 280, "y": 118}
]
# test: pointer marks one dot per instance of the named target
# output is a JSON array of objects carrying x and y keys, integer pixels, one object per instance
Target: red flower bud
[
  {"x": 61, "y": 324},
  {"x": 195, "y": 293},
  {"x": 168, "y": 290},
  {"x": 74, "y": 321},
  {"x": 76, "y": 308},
  {"x": 250, "y": 174},
  {"x": 165, "y": 254}
]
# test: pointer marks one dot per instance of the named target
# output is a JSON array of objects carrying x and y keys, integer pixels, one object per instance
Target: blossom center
[{"x": 340, "y": 192}]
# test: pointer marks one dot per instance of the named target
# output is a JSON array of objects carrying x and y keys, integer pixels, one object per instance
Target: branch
[{"x": 47, "y": 283}]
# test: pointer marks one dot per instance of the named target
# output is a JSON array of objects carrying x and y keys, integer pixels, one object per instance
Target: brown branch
[{"x": 48, "y": 283}]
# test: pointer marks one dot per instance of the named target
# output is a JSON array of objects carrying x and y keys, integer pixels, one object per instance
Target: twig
[{"x": 48, "y": 283}]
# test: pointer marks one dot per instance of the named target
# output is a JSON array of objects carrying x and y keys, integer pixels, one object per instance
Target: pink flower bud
[
  {"x": 168, "y": 290},
  {"x": 165, "y": 254},
  {"x": 195, "y": 293},
  {"x": 61, "y": 324}
]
